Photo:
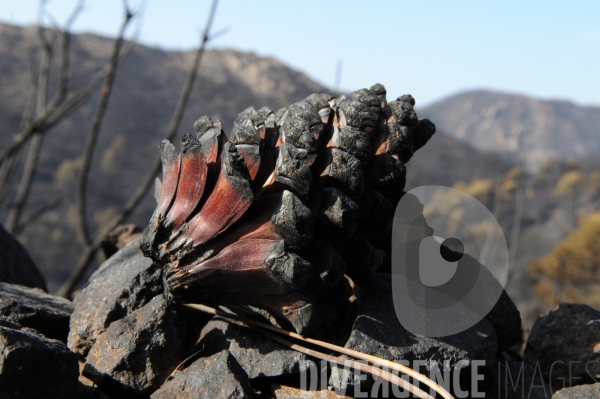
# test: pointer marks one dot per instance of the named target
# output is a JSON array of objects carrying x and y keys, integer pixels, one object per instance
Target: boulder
[
  {"x": 125, "y": 282},
  {"x": 506, "y": 319},
  {"x": 565, "y": 345},
  {"x": 512, "y": 379},
  {"x": 137, "y": 353},
  {"x": 10, "y": 323},
  {"x": 33, "y": 366},
  {"x": 378, "y": 332},
  {"x": 257, "y": 354},
  {"x": 217, "y": 377},
  {"x": 591, "y": 391},
  {"x": 33, "y": 308},
  {"x": 16, "y": 266}
]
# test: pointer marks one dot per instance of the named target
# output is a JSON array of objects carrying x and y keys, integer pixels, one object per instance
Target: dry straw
[{"x": 376, "y": 361}]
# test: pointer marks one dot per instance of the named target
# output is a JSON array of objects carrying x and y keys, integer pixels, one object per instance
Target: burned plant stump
[{"x": 291, "y": 212}]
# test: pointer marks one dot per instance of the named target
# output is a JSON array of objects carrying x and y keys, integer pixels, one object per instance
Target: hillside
[
  {"x": 523, "y": 129},
  {"x": 446, "y": 160}
]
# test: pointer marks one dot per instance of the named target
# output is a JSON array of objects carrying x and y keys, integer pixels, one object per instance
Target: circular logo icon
[{"x": 449, "y": 261}]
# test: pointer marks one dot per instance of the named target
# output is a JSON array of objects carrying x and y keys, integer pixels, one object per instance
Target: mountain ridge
[
  {"x": 524, "y": 129},
  {"x": 508, "y": 93}
]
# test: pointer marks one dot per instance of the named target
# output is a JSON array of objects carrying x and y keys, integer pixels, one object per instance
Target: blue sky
[{"x": 431, "y": 49}]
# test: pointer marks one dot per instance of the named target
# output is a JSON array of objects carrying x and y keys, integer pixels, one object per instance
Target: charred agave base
[{"x": 292, "y": 212}]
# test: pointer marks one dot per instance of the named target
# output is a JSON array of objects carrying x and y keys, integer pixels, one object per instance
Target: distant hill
[
  {"x": 523, "y": 129},
  {"x": 445, "y": 161}
]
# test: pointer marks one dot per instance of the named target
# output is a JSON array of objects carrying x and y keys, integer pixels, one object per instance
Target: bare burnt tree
[
  {"x": 93, "y": 246},
  {"x": 92, "y": 139},
  {"x": 38, "y": 102},
  {"x": 41, "y": 114}
]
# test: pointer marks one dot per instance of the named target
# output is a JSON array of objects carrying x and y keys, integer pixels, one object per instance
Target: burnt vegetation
[{"x": 292, "y": 211}]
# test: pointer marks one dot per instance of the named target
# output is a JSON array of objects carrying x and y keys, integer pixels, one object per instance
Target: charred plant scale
[{"x": 290, "y": 212}]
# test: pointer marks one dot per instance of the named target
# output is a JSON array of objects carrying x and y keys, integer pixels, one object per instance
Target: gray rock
[
  {"x": 217, "y": 377},
  {"x": 378, "y": 332},
  {"x": 16, "y": 266},
  {"x": 33, "y": 308},
  {"x": 137, "y": 353},
  {"x": 33, "y": 366},
  {"x": 125, "y": 282},
  {"x": 579, "y": 392},
  {"x": 565, "y": 345},
  {"x": 258, "y": 355},
  {"x": 10, "y": 323}
]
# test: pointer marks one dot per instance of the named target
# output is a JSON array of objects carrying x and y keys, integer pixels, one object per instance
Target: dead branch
[
  {"x": 65, "y": 44},
  {"x": 49, "y": 114},
  {"x": 36, "y": 142},
  {"x": 25, "y": 184},
  {"x": 264, "y": 327},
  {"x": 8, "y": 168},
  {"x": 497, "y": 212},
  {"x": 7, "y": 174},
  {"x": 35, "y": 215},
  {"x": 352, "y": 364},
  {"x": 63, "y": 103},
  {"x": 82, "y": 226},
  {"x": 134, "y": 201},
  {"x": 515, "y": 233}
]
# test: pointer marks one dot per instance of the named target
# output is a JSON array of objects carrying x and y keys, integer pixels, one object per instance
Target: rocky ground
[{"x": 121, "y": 338}]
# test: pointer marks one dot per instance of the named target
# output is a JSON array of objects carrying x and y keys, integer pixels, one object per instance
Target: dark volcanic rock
[
  {"x": 513, "y": 380},
  {"x": 33, "y": 366},
  {"x": 218, "y": 376},
  {"x": 137, "y": 353},
  {"x": 378, "y": 332},
  {"x": 125, "y": 282},
  {"x": 506, "y": 319},
  {"x": 579, "y": 392},
  {"x": 32, "y": 307},
  {"x": 565, "y": 344},
  {"x": 16, "y": 267},
  {"x": 10, "y": 323},
  {"x": 258, "y": 355}
]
